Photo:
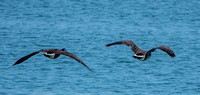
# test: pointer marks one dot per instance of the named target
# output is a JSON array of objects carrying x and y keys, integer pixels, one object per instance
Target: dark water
[{"x": 83, "y": 27}]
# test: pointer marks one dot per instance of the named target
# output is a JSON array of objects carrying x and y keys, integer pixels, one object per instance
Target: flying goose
[
  {"x": 141, "y": 54},
  {"x": 52, "y": 54}
]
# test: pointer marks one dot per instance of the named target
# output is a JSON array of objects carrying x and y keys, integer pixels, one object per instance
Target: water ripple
[{"x": 84, "y": 27}]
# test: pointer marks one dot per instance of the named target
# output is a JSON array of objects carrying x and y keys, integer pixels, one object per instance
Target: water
[{"x": 83, "y": 27}]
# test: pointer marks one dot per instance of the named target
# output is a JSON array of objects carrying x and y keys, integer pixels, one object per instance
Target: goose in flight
[
  {"x": 52, "y": 54},
  {"x": 141, "y": 54}
]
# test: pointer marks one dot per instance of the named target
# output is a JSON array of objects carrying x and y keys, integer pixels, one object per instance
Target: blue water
[{"x": 84, "y": 27}]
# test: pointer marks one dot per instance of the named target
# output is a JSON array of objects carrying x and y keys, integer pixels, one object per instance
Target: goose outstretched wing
[
  {"x": 25, "y": 58},
  {"x": 165, "y": 49},
  {"x": 75, "y": 58},
  {"x": 134, "y": 47}
]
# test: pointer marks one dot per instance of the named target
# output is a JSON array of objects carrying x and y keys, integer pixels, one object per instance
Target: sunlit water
[{"x": 83, "y": 27}]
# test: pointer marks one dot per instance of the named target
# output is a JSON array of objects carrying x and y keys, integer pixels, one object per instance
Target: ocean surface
[{"x": 84, "y": 27}]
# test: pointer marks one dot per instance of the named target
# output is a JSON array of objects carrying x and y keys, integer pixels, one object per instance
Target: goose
[
  {"x": 52, "y": 54},
  {"x": 141, "y": 54}
]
